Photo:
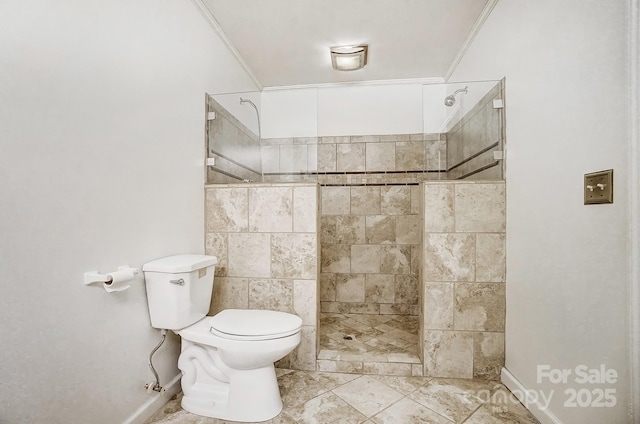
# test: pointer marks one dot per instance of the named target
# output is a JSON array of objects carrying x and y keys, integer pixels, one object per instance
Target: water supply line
[{"x": 155, "y": 385}]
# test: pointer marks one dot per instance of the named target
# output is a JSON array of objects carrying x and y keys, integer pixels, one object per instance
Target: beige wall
[
  {"x": 265, "y": 237},
  {"x": 113, "y": 92},
  {"x": 464, "y": 279}
]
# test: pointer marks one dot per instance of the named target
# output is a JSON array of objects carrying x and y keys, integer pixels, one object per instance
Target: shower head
[
  {"x": 243, "y": 101},
  {"x": 450, "y": 100}
]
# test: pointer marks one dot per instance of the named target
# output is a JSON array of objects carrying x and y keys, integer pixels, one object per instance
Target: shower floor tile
[{"x": 369, "y": 344}]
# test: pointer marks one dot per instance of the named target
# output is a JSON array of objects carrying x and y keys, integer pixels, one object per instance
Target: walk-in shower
[{"x": 450, "y": 100}]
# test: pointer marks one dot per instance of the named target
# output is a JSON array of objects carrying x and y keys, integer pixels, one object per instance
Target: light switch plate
[{"x": 598, "y": 187}]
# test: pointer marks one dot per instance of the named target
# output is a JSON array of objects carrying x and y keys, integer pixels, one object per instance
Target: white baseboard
[
  {"x": 155, "y": 402},
  {"x": 518, "y": 389}
]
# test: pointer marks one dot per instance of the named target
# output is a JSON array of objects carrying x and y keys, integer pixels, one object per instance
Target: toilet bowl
[
  {"x": 227, "y": 359},
  {"x": 231, "y": 376}
]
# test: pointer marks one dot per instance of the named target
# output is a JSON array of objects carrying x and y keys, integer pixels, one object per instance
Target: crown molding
[
  {"x": 225, "y": 39},
  {"x": 488, "y": 8}
]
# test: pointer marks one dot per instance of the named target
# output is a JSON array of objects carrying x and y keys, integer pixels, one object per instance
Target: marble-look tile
[
  {"x": 326, "y": 408},
  {"x": 216, "y": 245},
  {"x": 436, "y": 153},
  {"x": 294, "y": 255},
  {"x": 502, "y": 408},
  {"x": 438, "y": 306},
  {"x": 395, "y": 259},
  {"x": 380, "y": 229},
  {"x": 342, "y": 229},
  {"x": 363, "y": 308},
  {"x": 416, "y": 200},
  {"x": 331, "y": 380},
  {"x": 480, "y": 207},
  {"x": 350, "y": 157},
  {"x": 449, "y": 257},
  {"x": 335, "y": 200},
  {"x": 416, "y": 259},
  {"x": 380, "y": 157},
  {"x": 270, "y": 159},
  {"x": 409, "y": 411},
  {"x": 298, "y": 387},
  {"x": 305, "y": 304},
  {"x": 488, "y": 355},
  {"x": 327, "y": 291},
  {"x": 339, "y": 366},
  {"x": 454, "y": 399},
  {"x": 398, "y": 309},
  {"x": 350, "y": 287},
  {"x": 368, "y": 395},
  {"x": 312, "y": 157},
  {"x": 293, "y": 158},
  {"x": 365, "y": 200},
  {"x": 270, "y": 209},
  {"x": 305, "y": 209},
  {"x": 227, "y": 209},
  {"x": 410, "y": 156},
  {"x": 276, "y": 295},
  {"x": 326, "y": 158},
  {"x": 304, "y": 355},
  {"x": 365, "y": 138},
  {"x": 479, "y": 306},
  {"x": 490, "y": 258},
  {"x": 408, "y": 229},
  {"x": 395, "y": 200},
  {"x": 335, "y": 258},
  {"x": 448, "y": 354},
  {"x": 438, "y": 208},
  {"x": 249, "y": 255},
  {"x": 229, "y": 293},
  {"x": 365, "y": 258},
  {"x": 403, "y": 385},
  {"x": 379, "y": 288},
  {"x": 387, "y": 368},
  {"x": 406, "y": 289}
]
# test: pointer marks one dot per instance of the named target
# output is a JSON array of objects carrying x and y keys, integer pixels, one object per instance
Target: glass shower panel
[
  {"x": 233, "y": 138},
  {"x": 469, "y": 118}
]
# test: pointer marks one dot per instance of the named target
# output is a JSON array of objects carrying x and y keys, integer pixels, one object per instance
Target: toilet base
[{"x": 247, "y": 395}]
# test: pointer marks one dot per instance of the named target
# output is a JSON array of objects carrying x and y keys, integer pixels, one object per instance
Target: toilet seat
[{"x": 254, "y": 324}]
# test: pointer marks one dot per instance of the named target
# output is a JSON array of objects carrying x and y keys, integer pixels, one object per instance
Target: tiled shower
[{"x": 369, "y": 231}]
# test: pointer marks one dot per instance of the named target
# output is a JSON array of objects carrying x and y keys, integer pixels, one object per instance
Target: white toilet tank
[{"x": 179, "y": 289}]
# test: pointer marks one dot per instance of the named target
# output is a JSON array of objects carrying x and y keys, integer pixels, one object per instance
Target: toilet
[{"x": 227, "y": 359}]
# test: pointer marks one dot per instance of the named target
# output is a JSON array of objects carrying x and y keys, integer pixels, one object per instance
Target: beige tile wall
[
  {"x": 394, "y": 158},
  {"x": 464, "y": 279},
  {"x": 266, "y": 239},
  {"x": 371, "y": 244}
]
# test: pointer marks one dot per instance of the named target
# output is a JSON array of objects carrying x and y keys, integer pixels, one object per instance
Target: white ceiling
[{"x": 286, "y": 42}]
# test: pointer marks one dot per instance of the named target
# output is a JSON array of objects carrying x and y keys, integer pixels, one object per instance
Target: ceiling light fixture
[{"x": 348, "y": 58}]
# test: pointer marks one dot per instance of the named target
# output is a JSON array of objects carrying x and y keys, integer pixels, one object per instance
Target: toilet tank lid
[{"x": 180, "y": 263}]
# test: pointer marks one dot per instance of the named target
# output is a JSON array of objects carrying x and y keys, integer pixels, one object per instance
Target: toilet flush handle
[{"x": 179, "y": 282}]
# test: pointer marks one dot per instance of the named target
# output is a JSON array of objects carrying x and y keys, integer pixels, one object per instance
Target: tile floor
[
  {"x": 313, "y": 397},
  {"x": 369, "y": 344},
  {"x": 375, "y": 378}
]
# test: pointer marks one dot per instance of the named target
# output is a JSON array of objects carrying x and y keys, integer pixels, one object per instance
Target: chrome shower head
[{"x": 450, "y": 100}]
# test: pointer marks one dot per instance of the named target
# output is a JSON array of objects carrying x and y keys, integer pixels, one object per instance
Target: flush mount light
[{"x": 348, "y": 58}]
